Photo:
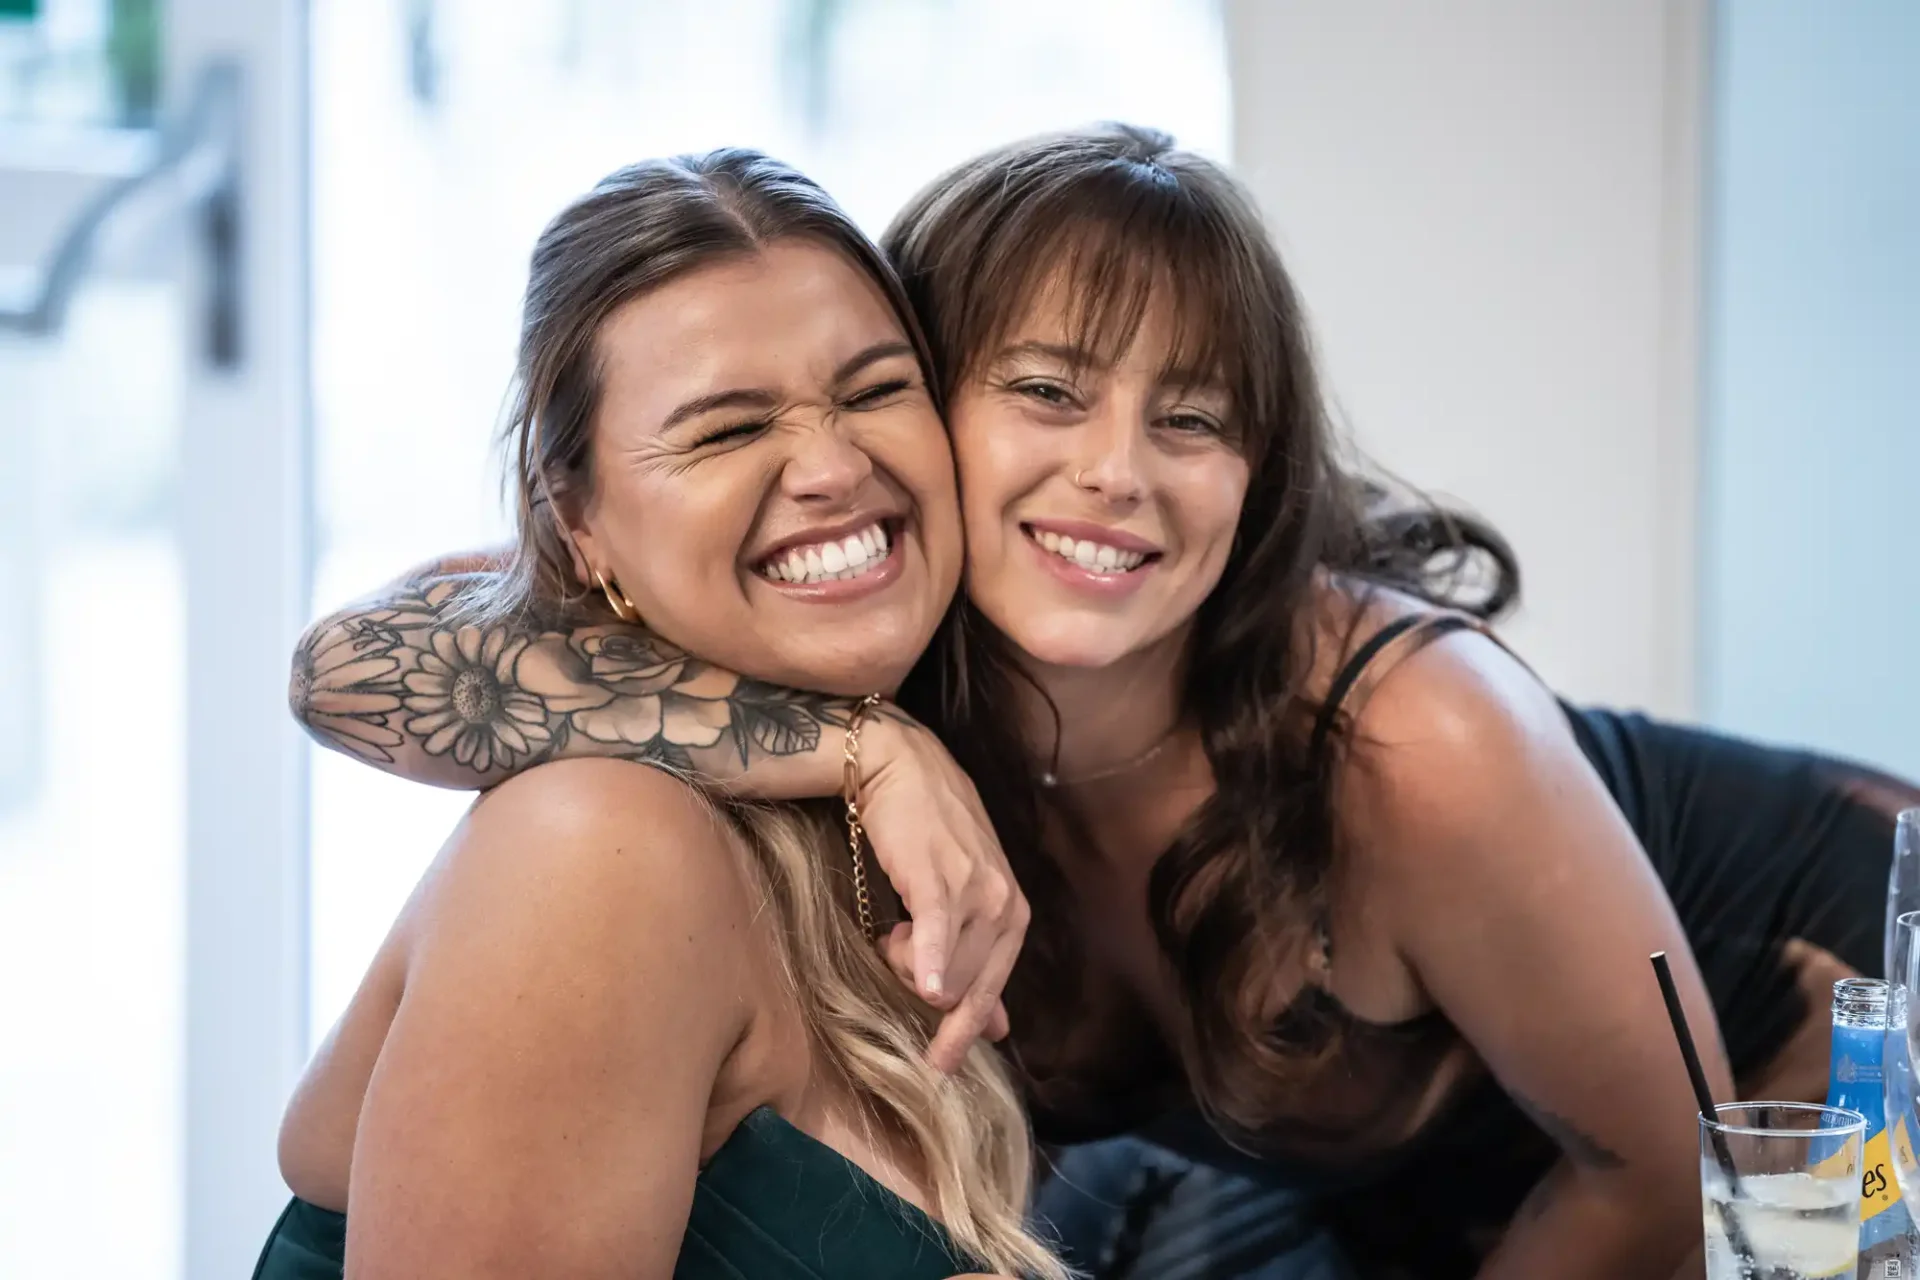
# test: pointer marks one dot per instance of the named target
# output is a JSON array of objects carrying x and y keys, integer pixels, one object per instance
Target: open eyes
[
  {"x": 1059, "y": 397},
  {"x": 1051, "y": 394},
  {"x": 1192, "y": 424}
]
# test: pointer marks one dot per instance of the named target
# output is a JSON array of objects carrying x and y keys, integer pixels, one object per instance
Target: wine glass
[
  {"x": 1897, "y": 1061},
  {"x": 1903, "y": 888}
]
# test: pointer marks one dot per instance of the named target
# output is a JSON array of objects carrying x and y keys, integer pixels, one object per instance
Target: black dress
[{"x": 1756, "y": 846}]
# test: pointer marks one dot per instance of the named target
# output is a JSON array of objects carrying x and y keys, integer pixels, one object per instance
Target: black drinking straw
[{"x": 1704, "y": 1096}]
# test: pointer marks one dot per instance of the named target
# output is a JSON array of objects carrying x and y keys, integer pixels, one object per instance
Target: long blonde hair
[
  {"x": 637, "y": 229},
  {"x": 968, "y": 1129}
]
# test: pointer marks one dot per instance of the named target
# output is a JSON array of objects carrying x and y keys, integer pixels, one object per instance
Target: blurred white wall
[
  {"x": 1492, "y": 209},
  {"x": 1811, "y": 614}
]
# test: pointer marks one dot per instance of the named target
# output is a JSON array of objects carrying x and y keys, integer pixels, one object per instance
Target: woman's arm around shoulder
[
  {"x": 402, "y": 681},
  {"x": 399, "y": 682},
  {"x": 1522, "y": 905},
  {"x": 583, "y": 966}
]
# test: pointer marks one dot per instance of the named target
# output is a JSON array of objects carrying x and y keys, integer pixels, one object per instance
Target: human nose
[
  {"x": 1109, "y": 465},
  {"x": 825, "y": 466}
]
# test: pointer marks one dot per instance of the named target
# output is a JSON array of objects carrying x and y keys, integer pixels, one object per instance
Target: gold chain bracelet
[{"x": 850, "y": 792}]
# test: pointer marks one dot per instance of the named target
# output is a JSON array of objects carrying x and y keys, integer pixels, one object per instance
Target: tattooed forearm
[
  {"x": 402, "y": 684},
  {"x": 1583, "y": 1150}
]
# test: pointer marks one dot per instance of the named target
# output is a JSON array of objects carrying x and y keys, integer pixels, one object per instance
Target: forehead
[
  {"x": 1118, "y": 310},
  {"x": 783, "y": 317}
]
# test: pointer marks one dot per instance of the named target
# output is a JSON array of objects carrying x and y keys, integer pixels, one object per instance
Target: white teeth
[
  {"x": 848, "y": 557},
  {"x": 1088, "y": 554}
]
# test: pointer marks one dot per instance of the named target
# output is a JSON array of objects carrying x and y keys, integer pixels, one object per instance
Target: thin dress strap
[
  {"x": 1426, "y": 628},
  {"x": 1430, "y": 626}
]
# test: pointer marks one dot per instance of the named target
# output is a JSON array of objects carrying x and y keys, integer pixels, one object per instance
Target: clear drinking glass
[
  {"x": 1901, "y": 1085},
  {"x": 1903, "y": 888},
  {"x": 1791, "y": 1210},
  {"x": 1897, "y": 1082}
]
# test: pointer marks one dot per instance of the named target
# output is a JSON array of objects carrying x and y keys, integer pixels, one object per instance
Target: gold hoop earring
[{"x": 622, "y": 607}]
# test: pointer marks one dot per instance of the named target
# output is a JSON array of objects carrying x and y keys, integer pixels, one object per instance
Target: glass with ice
[{"x": 1791, "y": 1210}]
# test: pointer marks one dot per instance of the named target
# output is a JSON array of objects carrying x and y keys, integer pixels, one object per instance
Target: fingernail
[{"x": 935, "y": 984}]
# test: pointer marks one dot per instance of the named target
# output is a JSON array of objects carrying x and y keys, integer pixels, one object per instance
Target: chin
[
  {"x": 1083, "y": 644},
  {"x": 867, "y": 664},
  {"x": 883, "y": 676}
]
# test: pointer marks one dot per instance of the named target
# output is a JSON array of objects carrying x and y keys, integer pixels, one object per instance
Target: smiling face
[
  {"x": 1101, "y": 491},
  {"x": 771, "y": 485}
]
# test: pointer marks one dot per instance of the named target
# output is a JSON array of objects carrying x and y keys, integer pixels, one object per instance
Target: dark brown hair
[{"x": 1119, "y": 218}]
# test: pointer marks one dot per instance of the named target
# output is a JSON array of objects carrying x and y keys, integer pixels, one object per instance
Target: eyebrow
[
  {"x": 1078, "y": 357},
  {"x": 739, "y": 398},
  {"x": 874, "y": 354},
  {"x": 1081, "y": 358}
]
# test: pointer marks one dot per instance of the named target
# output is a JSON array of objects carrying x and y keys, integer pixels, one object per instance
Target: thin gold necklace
[{"x": 1050, "y": 780}]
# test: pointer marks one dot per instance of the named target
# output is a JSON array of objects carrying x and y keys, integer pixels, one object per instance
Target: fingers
[
  {"x": 934, "y": 927},
  {"x": 963, "y": 1024},
  {"x": 897, "y": 950},
  {"x": 975, "y": 1014},
  {"x": 999, "y": 1026},
  {"x": 970, "y": 956}
]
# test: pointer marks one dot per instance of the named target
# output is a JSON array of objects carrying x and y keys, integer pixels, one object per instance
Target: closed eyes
[
  {"x": 737, "y": 431},
  {"x": 870, "y": 398},
  {"x": 878, "y": 394}
]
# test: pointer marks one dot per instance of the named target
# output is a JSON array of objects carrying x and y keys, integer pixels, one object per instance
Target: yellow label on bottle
[{"x": 1878, "y": 1191}]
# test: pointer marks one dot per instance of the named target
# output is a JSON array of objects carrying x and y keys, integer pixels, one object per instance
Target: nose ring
[{"x": 1078, "y": 483}]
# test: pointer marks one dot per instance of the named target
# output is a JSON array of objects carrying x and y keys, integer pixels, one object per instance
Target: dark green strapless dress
[{"x": 772, "y": 1204}]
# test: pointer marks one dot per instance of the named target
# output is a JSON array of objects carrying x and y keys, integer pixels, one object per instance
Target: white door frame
[{"x": 245, "y": 526}]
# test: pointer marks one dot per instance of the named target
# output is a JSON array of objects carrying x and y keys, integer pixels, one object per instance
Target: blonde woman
[{"x": 621, "y": 1030}]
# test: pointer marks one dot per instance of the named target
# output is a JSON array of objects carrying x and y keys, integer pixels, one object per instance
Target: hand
[{"x": 931, "y": 836}]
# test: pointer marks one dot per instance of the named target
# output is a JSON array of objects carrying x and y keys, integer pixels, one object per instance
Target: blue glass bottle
[{"x": 1887, "y": 1243}]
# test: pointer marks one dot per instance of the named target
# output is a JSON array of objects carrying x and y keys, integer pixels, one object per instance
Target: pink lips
[
  {"x": 881, "y": 575},
  {"x": 1081, "y": 531},
  {"x": 1105, "y": 584}
]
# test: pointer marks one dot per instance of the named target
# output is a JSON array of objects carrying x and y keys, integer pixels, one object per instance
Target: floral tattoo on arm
[{"x": 404, "y": 678}]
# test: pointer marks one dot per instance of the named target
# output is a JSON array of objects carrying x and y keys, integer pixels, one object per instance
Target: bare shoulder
[
  {"x": 1447, "y": 733},
  {"x": 605, "y": 863},
  {"x": 608, "y": 821}
]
